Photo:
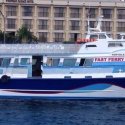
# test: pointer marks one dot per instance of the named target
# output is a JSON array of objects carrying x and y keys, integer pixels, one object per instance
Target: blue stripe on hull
[{"x": 61, "y": 84}]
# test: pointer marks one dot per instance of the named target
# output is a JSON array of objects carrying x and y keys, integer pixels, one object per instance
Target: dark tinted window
[
  {"x": 115, "y": 45},
  {"x": 81, "y": 62},
  {"x": 91, "y": 46}
]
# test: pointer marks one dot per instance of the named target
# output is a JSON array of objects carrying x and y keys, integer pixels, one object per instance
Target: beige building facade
[{"x": 62, "y": 20}]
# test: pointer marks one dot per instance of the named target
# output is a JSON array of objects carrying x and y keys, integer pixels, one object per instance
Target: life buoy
[{"x": 5, "y": 78}]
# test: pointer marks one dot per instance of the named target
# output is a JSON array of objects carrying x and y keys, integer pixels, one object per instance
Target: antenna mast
[{"x": 88, "y": 23}]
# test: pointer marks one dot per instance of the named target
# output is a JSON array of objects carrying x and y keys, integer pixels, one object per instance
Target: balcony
[
  {"x": 59, "y": 14},
  {"x": 42, "y": 27},
  {"x": 74, "y": 27},
  {"x": 29, "y": 26},
  {"x": 27, "y": 14},
  {"x": 11, "y": 13},
  {"x": 59, "y": 27},
  {"x": 43, "y": 14},
  {"x": 75, "y": 15},
  {"x": 58, "y": 39},
  {"x": 11, "y": 26}
]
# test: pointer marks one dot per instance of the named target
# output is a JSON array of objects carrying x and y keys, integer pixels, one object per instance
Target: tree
[{"x": 25, "y": 36}]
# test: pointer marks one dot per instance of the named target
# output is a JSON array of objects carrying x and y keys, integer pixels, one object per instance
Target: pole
[
  {"x": 4, "y": 26},
  {"x": 4, "y": 31}
]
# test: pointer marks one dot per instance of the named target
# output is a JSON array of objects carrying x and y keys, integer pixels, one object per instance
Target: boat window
[
  {"x": 101, "y": 36},
  {"x": 24, "y": 61},
  {"x": 49, "y": 62},
  {"x": 81, "y": 62},
  {"x": 52, "y": 62},
  {"x": 55, "y": 62},
  {"x": 1, "y": 71},
  {"x": 88, "y": 62},
  {"x": 91, "y": 46},
  {"x": 5, "y": 62},
  {"x": 16, "y": 62},
  {"x": 69, "y": 62},
  {"x": 115, "y": 45},
  {"x": 93, "y": 36},
  {"x": 1, "y": 60}
]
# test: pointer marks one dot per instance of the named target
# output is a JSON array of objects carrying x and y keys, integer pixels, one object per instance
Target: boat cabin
[{"x": 45, "y": 66}]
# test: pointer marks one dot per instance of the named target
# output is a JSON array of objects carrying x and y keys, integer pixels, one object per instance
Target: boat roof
[{"x": 39, "y": 49}]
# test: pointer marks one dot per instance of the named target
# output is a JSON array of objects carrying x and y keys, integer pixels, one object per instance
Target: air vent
[
  {"x": 67, "y": 77},
  {"x": 109, "y": 76},
  {"x": 88, "y": 76}
]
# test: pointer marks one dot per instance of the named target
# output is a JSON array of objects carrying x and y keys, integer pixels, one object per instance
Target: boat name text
[{"x": 109, "y": 59}]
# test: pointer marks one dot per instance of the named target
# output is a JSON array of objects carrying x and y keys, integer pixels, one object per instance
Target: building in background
[{"x": 62, "y": 20}]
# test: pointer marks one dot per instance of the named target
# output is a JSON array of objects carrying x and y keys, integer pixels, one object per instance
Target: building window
[
  {"x": 27, "y": 11},
  {"x": 59, "y": 12},
  {"x": 59, "y": 24},
  {"x": 43, "y": 12},
  {"x": 43, "y": 24},
  {"x": 75, "y": 25},
  {"x": 91, "y": 12},
  {"x": 58, "y": 37},
  {"x": 121, "y": 27},
  {"x": 92, "y": 24},
  {"x": 106, "y": 26},
  {"x": 73, "y": 36},
  {"x": 11, "y": 23},
  {"x": 43, "y": 36},
  {"x": 107, "y": 13},
  {"x": 121, "y": 13},
  {"x": 27, "y": 23},
  {"x": 11, "y": 11},
  {"x": 75, "y": 13}
]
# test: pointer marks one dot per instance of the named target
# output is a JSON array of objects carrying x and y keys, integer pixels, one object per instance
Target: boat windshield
[{"x": 94, "y": 36}]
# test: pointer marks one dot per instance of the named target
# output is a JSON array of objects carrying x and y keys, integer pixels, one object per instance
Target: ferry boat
[{"x": 93, "y": 70}]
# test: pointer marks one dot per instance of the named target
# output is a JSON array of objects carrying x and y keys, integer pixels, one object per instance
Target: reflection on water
[{"x": 37, "y": 112}]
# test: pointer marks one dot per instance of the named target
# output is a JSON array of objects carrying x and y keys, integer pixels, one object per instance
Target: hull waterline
[{"x": 86, "y": 88}]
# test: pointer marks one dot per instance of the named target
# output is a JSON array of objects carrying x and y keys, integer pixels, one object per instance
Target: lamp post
[{"x": 4, "y": 26}]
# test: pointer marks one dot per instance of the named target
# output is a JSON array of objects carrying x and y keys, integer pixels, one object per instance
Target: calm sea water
[{"x": 39, "y": 112}]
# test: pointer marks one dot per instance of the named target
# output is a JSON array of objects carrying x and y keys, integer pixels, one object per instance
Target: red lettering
[{"x": 100, "y": 59}]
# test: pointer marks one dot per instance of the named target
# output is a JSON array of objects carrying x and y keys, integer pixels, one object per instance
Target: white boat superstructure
[{"x": 98, "y": 43}]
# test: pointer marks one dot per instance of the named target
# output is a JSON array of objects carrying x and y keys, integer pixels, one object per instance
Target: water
[{"x": 39, "y": 112}]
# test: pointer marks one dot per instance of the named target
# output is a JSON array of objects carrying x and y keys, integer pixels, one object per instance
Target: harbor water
[{"x": 62, "y": 112}]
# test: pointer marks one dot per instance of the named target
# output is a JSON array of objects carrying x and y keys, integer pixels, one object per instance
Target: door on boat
[{"x": 37, "y": 62}]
